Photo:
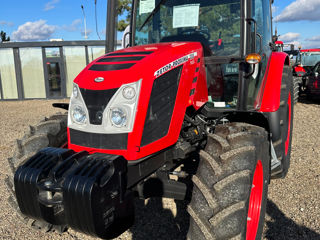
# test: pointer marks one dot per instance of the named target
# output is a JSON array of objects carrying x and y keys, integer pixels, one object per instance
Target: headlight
[
  {"x": 75, "y": 91},
  {"x": 78, "y": 114},
  {"x": 129, "y": 92},
  {"x": 118, "y": 117}
]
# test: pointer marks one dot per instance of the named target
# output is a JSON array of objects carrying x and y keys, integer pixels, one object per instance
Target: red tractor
[
  {"x": 304, "y": 70},
  {"x": 217, "y": 116}
]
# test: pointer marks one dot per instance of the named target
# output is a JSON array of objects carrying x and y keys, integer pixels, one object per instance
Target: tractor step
[{"x": 276, "y": 165}]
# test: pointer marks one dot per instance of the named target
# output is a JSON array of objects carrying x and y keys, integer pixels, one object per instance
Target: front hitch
[{"x": 86, "y": 192}]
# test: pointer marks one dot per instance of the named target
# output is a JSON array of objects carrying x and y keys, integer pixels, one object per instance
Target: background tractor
[
  {"x": 198, "y": 94},
  {"x": 306, "y": 71}
]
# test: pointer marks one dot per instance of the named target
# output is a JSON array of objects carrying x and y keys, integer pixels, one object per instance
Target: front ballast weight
[{"x": 85, "y": 192}]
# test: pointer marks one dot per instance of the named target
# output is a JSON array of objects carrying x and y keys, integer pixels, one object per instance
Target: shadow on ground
[
  {"x": 153, "y": 216},
  {"x": 155, "y": 222},
  {"x": 282, "y": 228},
  {"x": 309, "y": 100}
]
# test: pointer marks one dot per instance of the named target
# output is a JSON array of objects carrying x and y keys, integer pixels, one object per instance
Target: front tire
[
  {"x": 225, "y": 204},
  {"x": 51, "y": 132}
]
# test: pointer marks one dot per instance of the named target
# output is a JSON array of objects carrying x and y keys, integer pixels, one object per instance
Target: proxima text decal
[{"x": 174, "y": 64}]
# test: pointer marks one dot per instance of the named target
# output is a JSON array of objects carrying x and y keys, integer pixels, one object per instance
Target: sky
[{"x": 297, "y": 21}]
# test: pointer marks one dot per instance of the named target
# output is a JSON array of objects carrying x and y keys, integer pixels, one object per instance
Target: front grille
[
  {"x": 98, "y": 140},
  {"x": 161, "y": 104},
  {"x": 96, "y": 101}
]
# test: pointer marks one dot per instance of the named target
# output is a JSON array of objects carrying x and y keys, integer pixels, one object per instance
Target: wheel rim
[
  {"x": 255, "y": 202},
  {"x": 289, "y": 124}
]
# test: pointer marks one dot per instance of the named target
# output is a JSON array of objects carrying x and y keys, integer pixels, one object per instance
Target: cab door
[{"x": 261, "y": 13}]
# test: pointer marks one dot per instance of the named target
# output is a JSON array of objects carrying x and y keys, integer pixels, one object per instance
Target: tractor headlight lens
[
  {"x": 129, "y": 93},
  {"x": 79, "y": 115},
  {"x": 75, "y": 91},
  {"x": 118, "y": 117}
]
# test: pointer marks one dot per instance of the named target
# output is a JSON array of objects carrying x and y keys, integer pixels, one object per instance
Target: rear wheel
[
  {"x": 51, "y": 132},
  {"x": 230, "y": 186}
]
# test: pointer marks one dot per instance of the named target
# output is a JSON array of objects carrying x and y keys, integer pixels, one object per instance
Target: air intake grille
[
  {"x": 96, "y": 101},
  {"x": 99, "y": 140},
  {"x": 161, "y": 104}
]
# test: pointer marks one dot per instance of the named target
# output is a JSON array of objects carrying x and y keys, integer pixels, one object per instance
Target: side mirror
[{"x": 125, "y": 40}]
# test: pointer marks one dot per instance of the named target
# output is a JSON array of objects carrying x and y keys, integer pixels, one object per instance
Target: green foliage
[
  {"x": 123, "y": 9},
  {"x": 4, "y": 37}
]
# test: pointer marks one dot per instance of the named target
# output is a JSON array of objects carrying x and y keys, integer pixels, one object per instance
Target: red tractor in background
[
  {"x": 292, "y": 55},
  {"x": 306, "y": 72},
  {"x": 217, "y": 116}
]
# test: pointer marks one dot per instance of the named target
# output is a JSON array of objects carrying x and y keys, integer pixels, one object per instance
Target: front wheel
[
  {"x": 231, "y": 184},
  {"x": 51, "y": 132}
]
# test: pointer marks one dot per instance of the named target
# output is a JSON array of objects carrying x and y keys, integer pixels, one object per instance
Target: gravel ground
[{"x": 293, "y": 210}]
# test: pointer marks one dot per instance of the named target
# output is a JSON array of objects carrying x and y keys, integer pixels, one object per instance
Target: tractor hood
[
  {"x": 132, "y": 102},
  {"x": 132, "y": 64}
]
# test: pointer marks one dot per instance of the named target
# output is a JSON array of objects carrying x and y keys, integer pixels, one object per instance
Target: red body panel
[
  {"x": 163, "y": 54},
  {"x": 310, "y": 50},
  {"x": 279, "y": 42},
  {"x": 271, "y": 85},
  {"x": 299, "y": 71}
]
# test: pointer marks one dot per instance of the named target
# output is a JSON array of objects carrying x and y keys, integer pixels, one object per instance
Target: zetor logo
[
  {"x": 174, "y": 64},
  {"x": 99, "y": 79}
]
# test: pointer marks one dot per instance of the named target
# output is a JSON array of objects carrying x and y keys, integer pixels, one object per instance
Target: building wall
[
  {"x": 8, "y": 74},
  {"x": 24, "y": 66}
]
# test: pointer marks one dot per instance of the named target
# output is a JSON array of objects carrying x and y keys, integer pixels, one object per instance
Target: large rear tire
[
  {"x": 230, "y": 186},
  {"x": 51, "y": 132}
]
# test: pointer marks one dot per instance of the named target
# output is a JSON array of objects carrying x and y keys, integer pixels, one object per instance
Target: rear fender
[{"x": 271, "y": 86}]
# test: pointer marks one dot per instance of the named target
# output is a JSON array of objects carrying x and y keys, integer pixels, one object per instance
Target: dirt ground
[{"x": 293, "y": 208}]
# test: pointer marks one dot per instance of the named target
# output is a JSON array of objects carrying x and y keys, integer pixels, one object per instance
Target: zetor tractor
[
  {"x": 304, "y": 69},
  {"x": 173, "y": 115}
]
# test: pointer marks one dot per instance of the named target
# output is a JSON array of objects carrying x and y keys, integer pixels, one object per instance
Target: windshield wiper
[{"x": 155, "y": 10}]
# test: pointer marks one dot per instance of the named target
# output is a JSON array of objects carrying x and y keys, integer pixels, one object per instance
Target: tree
[
  {"x": 123, "y": 9},
  {"x": 4, "y": 37}
]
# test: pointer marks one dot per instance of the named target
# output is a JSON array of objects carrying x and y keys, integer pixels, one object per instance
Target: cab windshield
[
  {"x": 215, "y": 23},
  {"x": 308, "y": 58}
]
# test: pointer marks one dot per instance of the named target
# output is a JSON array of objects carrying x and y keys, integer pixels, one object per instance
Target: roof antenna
[{"x": 95, "y": 13}]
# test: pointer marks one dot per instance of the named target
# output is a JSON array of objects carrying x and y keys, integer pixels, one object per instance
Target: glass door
[
  {"x": 54, "y": 79},
  {"x": 54, "y": 73}
]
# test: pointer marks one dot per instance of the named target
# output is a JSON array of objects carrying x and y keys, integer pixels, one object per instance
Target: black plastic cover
[
  {"x": 161, "y": 105},
  {"x": 99, "y": 140},
  {"x": 85, "y": 192},
  {"x": 96, "y": 101}
]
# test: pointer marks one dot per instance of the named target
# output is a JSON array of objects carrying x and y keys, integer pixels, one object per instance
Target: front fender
[{"x": 272, "y": 85}]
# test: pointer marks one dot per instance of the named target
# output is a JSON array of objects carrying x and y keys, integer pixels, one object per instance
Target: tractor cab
[{"x": 227, "y": 30}]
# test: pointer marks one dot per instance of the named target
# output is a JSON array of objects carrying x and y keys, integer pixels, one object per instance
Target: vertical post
[
  {"x": 45, "y": 72},
  {"x": 63, "y": 74},
  {"x": 17, "y": 63},
  {"x": 87, "y": 54},
  {"x": 1, "y": 91},
  {"x": 111, "y": 25}
]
